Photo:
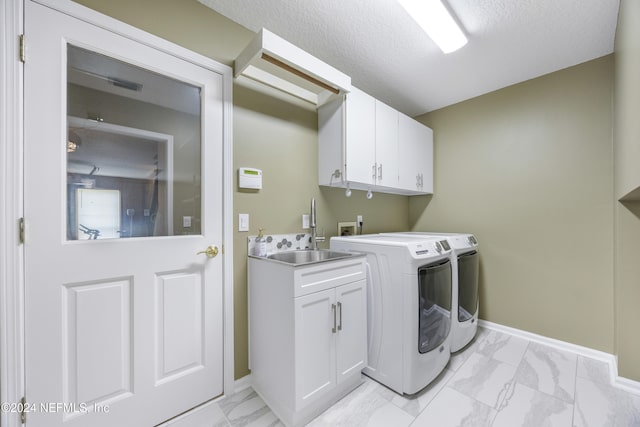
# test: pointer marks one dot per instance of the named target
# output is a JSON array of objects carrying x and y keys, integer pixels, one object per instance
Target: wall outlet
[
  {"x": 359, "y": 219},
  {"x": 305, "y": 221},
  {"x": 186, "y": 221}
]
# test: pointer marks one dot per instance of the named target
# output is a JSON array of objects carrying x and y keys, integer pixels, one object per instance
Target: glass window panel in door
[{"x": 135, "y": 133}]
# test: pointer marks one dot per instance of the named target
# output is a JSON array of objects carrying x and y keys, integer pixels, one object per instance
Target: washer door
[{"x": 434, "y": 287}]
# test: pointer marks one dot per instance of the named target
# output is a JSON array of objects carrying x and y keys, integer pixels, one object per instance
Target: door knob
[{"x": 210, "y": 252}]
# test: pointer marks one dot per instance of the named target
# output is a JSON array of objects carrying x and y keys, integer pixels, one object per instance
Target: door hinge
[
  {"x": 23, "y": 53},
  {"x": 21, "y": 230},
  {"x": 23, "y": 411}
]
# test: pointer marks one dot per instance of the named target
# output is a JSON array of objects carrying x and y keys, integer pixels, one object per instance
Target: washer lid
[
  {"x": 386, "y": 239},
  {"x": 419, "y": 246}
]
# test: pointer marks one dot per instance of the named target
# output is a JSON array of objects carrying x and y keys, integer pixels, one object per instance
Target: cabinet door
[
  {"x": 315, "y": 360},
  {"x": 386, "y": 145},
  {"x": 424, "y": 148},
  {"x": 360, "y": 137},
  {"x": 415, "y": 153},
  {"x": 351, "y": 337}
]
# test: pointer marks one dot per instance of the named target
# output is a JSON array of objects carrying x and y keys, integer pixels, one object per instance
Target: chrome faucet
[{"x": 314, "y": 234}]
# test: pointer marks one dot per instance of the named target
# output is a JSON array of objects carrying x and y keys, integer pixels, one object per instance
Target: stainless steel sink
[{"x": 309, "y": 256}]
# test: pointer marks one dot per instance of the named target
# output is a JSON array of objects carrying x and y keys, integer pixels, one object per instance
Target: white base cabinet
[{"x": 307, "y": 334}]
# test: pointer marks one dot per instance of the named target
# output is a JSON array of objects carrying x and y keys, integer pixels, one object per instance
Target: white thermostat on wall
[{"x": 250, "y": 178}]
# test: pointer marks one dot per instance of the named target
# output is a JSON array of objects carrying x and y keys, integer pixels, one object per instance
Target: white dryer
[
  {"x": 408, "y": 307},
  {"x": 465, "y": 273}
]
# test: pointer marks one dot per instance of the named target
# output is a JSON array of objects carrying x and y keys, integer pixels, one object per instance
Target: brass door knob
[{"x": 210, "y": 252}]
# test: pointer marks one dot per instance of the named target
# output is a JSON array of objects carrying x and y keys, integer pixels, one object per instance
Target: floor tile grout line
[
  {"x": 437, "y": 393},
  {"x": 575, "y": 392},
  {"x": 446, "y": 384},
  {"x": 513, "y": 381},
  {"x": 443, "y": 386}
]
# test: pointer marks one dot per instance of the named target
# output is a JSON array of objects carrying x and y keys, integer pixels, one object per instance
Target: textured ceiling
[{"x": 390, "y": 57}]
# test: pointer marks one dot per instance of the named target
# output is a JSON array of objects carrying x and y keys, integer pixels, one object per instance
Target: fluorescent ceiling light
[{"x": 436, "y": 21}]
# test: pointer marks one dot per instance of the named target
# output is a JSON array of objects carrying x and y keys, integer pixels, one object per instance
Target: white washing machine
[
  {"x": 465, "y": 272},
  {"x": 408, "y": 307}
]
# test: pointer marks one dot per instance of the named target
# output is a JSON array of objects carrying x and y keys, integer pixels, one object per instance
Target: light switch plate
[
  {"x": 186, "y": 221},
  {"x": 305, "y": 221},
  {"x": 243, "y": 222}
]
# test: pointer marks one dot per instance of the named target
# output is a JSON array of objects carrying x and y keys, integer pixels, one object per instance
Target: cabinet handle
[
  {"x": 380, "y": 172},
  {"x": 333, "y": 308},
  {"x": 340, "y": 308}
]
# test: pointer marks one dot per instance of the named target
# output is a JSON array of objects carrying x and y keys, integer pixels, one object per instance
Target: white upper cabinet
[
  {"x": 359, "y": 115},
  {"x": 415, "y": 148},
  {"x": 368, "y": 145},
  {"x": 386, "y": 145}
]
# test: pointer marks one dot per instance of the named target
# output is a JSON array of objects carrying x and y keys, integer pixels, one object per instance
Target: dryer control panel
[{"x": 426, "y": 249}]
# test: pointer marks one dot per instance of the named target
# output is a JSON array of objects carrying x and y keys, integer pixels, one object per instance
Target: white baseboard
[
  {"x": 627, "y": 385},
  {"x": 242, "y": 383},
  {"x": 616, "y": 381},
  {"x": 194, "y": 416}
]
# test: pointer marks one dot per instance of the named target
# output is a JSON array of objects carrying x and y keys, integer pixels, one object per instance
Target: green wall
[
  {"x": 528, "y": 170},
  {"x": 281, "y": 138},
  {"x": 627, "y": 188},
  {"x": 627, "y": 101},
  {"x": 272, "y": 132}
]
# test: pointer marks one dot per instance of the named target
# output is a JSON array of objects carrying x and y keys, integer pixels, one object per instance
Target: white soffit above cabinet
[
  {"x": 275, "y": 62},
  {"x": 389, "y": 56}
]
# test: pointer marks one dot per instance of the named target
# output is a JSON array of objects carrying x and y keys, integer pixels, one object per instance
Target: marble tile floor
[{"x": 497, "y": 381}]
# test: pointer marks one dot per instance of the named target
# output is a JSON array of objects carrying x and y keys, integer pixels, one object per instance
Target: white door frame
[{"x": 11, "y": 188}]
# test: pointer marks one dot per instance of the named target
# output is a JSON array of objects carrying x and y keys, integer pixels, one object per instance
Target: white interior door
[{"x": 126, "y": 329}]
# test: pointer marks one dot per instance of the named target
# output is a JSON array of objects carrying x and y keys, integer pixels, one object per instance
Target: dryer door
[
  {"x": 434, "y": 287},
  {"x": 467, "y": 285}
]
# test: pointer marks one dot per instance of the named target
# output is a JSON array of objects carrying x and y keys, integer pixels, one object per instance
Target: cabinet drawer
[{"x": 327, "y": 275}]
